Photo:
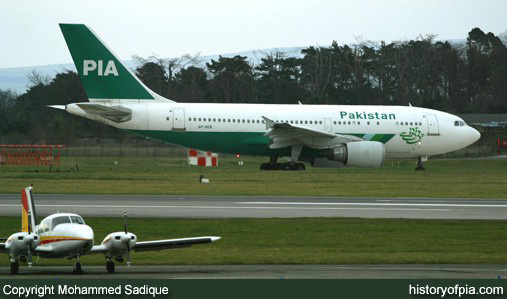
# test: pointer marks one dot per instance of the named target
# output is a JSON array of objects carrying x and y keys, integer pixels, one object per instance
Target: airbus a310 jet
[
  {"x": 65, "y": 235},
  {"x": 322, "y": 135}
]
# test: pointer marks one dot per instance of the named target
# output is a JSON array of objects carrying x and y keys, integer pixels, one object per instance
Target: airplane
[
  {"x": 322, "y": 135},
  {"x": 66, "y": 235}
]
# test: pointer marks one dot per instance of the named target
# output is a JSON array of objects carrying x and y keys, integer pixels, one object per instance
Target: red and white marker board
[{"x": 199, "y": 158}]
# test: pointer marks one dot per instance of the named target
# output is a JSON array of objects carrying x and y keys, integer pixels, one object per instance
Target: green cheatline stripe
[
  {"x": 377, "y": 137},
  {"x": 384, "y": 138}
]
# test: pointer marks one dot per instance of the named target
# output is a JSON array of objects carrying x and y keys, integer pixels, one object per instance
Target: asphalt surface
[
  {"x": 265, "y": 272},
  {"x": 259, "y": 206}
]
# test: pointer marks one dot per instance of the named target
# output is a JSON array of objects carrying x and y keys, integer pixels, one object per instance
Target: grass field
[
  {"x": 443, "y": 178},
  {"x": 307, "y": 241}
]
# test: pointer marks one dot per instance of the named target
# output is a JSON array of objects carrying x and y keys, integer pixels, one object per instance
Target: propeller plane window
[
  {"x": 60, "y": 220},
  {"x": 77, "y": 219}
]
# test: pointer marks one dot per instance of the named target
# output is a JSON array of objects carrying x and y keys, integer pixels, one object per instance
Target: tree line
[{"x": 467, "y": 77}]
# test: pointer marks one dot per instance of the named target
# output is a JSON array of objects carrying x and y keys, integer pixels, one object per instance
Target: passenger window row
[
  {"x": 406, "y": 123},
  {"x": 253, "y": 121}
]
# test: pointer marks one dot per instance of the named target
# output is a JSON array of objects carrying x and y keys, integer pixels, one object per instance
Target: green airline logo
[{"x": 414, "y": 135}]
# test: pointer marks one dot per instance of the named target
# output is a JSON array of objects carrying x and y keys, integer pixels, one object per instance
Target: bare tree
[{"x": 37, "y": 78}]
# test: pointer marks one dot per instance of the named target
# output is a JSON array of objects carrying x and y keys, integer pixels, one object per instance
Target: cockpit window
[
  {"x": 77, "y": 219},
  {"x": 59, "y": 220},
  {"x": 459, "y": 123}
]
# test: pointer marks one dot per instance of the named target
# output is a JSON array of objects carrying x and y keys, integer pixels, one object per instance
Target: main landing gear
[
  {"x": 14, "y": 267},
  {"x": 273, "y": 165},
  {"x": 110, "y": 266},
  {"x": 420, "y": 164}
]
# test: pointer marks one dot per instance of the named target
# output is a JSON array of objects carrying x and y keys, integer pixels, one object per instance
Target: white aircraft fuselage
[
  {"x": 407, "y": 132},
  {"x": 64, "y": 235}
]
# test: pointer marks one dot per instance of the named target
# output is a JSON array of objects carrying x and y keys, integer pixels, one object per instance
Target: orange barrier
[{"x": 30, "y": 154}]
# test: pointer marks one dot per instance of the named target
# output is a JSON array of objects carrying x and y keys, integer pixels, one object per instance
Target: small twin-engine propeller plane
[{"x": 65, "y": 235}]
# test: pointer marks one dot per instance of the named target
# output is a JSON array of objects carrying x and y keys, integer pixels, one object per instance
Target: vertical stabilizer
[
  {"x": 28, "y": 214},
  {"x": 104, "y": 76}
]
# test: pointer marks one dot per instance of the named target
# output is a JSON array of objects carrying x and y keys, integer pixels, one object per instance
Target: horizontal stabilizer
[
  {"x": 114, "y": 113},
  {"x": 61, "y": 107}
]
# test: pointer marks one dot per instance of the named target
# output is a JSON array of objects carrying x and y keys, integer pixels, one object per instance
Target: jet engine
[{"x": 368, "y": 154}]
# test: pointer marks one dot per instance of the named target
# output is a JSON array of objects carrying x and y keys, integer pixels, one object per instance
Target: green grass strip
[{"x": 307, "y": 241}]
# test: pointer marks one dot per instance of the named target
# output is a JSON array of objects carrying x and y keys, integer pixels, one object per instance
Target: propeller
[{"x": 127, "y": 239}]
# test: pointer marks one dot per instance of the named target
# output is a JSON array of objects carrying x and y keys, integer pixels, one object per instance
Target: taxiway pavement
[
  {"x": 266, "y": 272},
  {"x": 260, "y": 206}
]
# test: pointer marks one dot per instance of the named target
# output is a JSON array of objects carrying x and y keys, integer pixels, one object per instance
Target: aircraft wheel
[
  {"x": 77, "y": 268},
  {"x": 14, "y": 267},
  {"x": 300, "y": 166},
  {"x": 110, "y": 266},
  {"x": 270, "y": 166},
  {"x": 419, "y": 168},
  {"x": 286, "y": 166}
]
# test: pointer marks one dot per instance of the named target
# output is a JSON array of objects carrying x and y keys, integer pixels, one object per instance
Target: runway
[
  {"x": 260, "y": 206},
  {"x": 266, "y": 272}
]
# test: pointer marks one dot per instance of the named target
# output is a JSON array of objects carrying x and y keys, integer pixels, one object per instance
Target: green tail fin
[{"x": 103, "y": 75}]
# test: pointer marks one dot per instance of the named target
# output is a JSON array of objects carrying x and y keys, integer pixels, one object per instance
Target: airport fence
[
  {"x": 138, "y": 147},
  {"x": 101, "y": 147}
]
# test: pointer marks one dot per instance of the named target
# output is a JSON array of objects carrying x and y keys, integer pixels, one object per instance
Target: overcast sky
[{"x": 29, "y": 32}]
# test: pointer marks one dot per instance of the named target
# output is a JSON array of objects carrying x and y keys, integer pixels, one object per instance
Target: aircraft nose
[
  {"x": 86, "y": 234},
  {"x": 474, "y": 135}
]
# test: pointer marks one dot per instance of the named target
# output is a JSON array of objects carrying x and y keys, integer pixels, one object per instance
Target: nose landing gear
[
  {"x": 77, "y": 266},
  {"x": 420, "y": 164}
]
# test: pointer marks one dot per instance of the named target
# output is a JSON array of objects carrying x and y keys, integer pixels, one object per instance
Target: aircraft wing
[
  {"x": 97, "y": 249},
  {"x": 285, "y": 134},
  {"x": 159, "y": 244},
  {"x": 172, "y": 243}
]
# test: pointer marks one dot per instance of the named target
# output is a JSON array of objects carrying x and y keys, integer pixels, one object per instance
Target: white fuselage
[
  {"x": 66, "y": 239},
  {"x": 239, "y": 128}
]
